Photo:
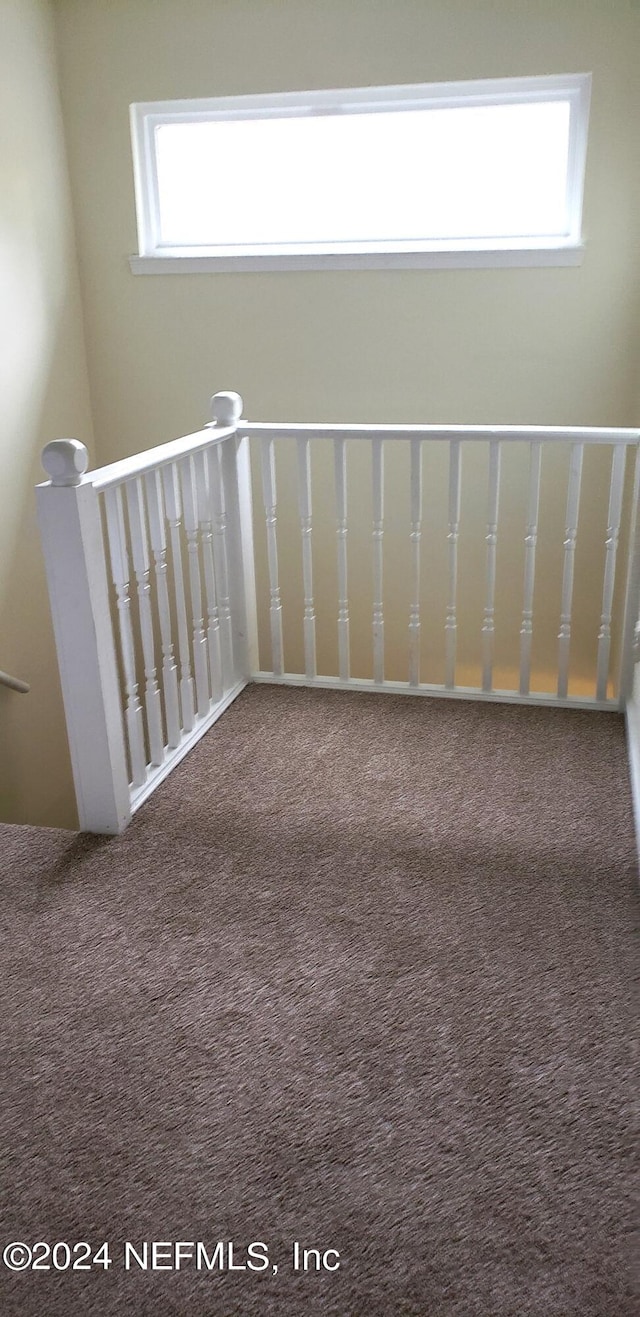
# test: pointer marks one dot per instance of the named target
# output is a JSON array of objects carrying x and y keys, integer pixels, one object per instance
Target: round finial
[
  {"x": 65, "y": 461},
  {"x": 226, "y": 408}
]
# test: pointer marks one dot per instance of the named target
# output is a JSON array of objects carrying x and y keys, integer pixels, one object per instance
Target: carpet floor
[{"x": 357, "y": 978}]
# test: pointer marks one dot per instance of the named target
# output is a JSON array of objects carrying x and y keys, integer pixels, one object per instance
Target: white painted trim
[
  {"x": 560, "y": 249},
  {"x": 444, "y": 258},
  {"x": 545, "y": 700},
  {"x": 157, "y": 775},
  {"x": 632, "y": 719},
  {"x": 345, "y": 100}
]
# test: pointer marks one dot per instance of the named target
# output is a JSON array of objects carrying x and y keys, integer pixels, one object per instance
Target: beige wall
[
  {"x": 531, "y": 345},
  {"x": 554, "y": 346},
  {"x": 43, "y": 393}
]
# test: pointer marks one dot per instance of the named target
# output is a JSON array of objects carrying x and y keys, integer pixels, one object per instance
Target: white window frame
[{"x": 565, "y": 249}]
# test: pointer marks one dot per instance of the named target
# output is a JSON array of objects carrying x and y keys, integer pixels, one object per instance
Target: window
[{"x": 458, "y": 173}]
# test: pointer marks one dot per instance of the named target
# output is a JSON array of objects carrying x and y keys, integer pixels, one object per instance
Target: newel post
[
  {"x": 226, "y": 410},
  {"x": 71, "y": 533}
]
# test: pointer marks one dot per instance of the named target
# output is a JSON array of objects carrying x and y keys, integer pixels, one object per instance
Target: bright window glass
[{"x": 323, "y": 173}]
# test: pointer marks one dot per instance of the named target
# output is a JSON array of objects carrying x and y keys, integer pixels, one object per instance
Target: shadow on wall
[
  {"x": 44, "y": 392},
  {"x": 35, "y": 773}
]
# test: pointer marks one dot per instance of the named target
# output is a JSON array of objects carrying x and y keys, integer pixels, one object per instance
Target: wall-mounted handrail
[{"x": 14, "y": 683}]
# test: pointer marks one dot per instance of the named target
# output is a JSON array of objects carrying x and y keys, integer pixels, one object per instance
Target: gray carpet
[{"x": 358, "y": 976}]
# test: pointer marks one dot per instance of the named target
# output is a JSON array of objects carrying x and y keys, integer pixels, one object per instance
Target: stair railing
[
  {"x": 152, "y": 577},
  {"x": 150, "y": 556}
]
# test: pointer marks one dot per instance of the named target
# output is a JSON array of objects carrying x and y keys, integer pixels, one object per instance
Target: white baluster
[
  {"x": 613, "y": 533},
  {"x": 269, "y": 491},
  {"x": 630, "y": 648},
  {"x": 142, "y": 567},
  {"x": 340, "y": 472},
  {"x": 488, "y": 625},
  {"x": 199, "y": 639},
  {"x": 530, "y": 542},
  {"x": 415, "y": 536},
  {"x": 221, "y": 560},
  {"x": 377, "y": 471},
  {"x": 205, "y": 521},
  {"x": 120, "y": 575},
  {"x": 158, "y": 541},
  {"x": 451, "y": 624},
  {"x": 173, "y": 505},
  {"x": 304, "y": 497},
  {"x": 571, "y": 530}
]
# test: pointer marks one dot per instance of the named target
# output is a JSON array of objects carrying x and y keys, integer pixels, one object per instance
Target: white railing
[
  {"x": 609, "y": 689},
  {"x": 160, "y": 623},
  {"x": 150, "y": 572}
]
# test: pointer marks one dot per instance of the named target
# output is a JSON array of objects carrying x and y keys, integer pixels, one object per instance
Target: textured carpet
[{"x": 358, "y": 976}]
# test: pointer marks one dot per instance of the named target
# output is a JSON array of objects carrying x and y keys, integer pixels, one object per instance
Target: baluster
[
  {"x": 120, "y": 574},
  {"x": 415, "y": 537},
  {"x": 377, "y": 537},
  {"x": 158, "y": 540},
  {"x": 630, "y": 634},
  {"x": 613, "y": 533},
  {"x": 530, "y": 541},
  {"x": 221, "y": 560},
  {"x": 571, "y": 530},
  {"x": 142, "y": 567},
  {"x": 488, "y": 625},
  {"x": 340, "y": 468},
  {"x": 451, "y": 624},
  {"x": 304, "y": 495},
  {"x": 200, "y": 655},
  {"x": 267, "y": 456},
  {"x": 173, "y": 505},
  {"x": 205, "y": 520}
]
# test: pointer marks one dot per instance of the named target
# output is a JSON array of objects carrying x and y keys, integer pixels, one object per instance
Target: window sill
[{"x": 449, "y": 258}]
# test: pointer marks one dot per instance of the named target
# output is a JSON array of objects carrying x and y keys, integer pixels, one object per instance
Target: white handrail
[
  {"x": 14, "y": 683},
  {"x": 561, "y": 433},
  {"x": 105, "y": 477},
  {"x": 226, "y": 410},
  {"x": 66, "y": 460},
  {"x": 116, "y": 473}
]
